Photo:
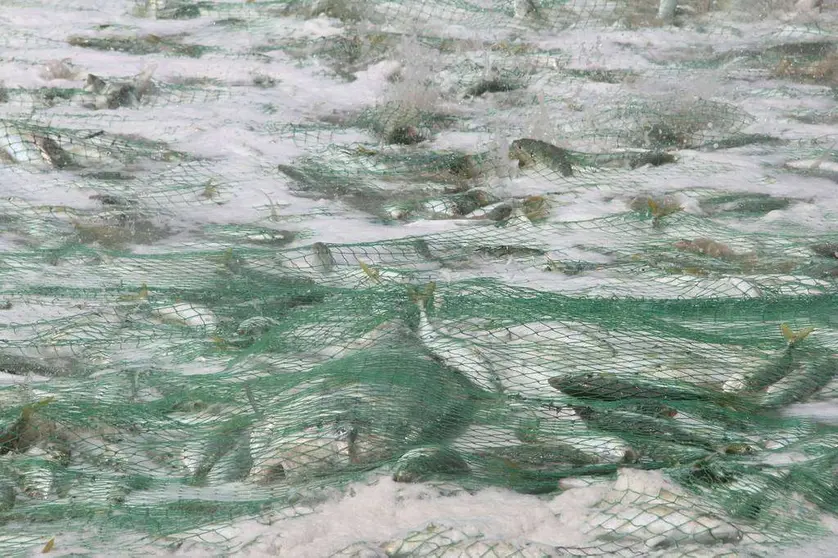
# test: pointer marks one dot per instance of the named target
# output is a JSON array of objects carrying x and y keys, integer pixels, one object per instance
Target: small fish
[
  {"x": 659, "y": 210},
  {"x": 280, "y": 456},
  {"x": 185, "y": 314},
  {"x": 472, "y": 200},
  {"x": 562, "y": 425},
  {"x": 827, "y": 250},
  {"x": 371, "y": 272},
  {"x": 255, "y": 326},
  {"x": 707, "y": 247},
  {"x": 648, "y": 427},
  {"x": 499, "y": 211},
  {"x": 607, "y": 386},
  {"x": 527, "y": 8},
  {"x": 324, "y": 261},
  {"x": 52, "y": 153},
  {"x": 109, "y": 199},
  {"x": 95, "y": 84},
  {"x": 645, "y": 506},
  {"x": 531, "y": 151},
  {"x": 653, "y": 158},
  {"x": 27, "y": 430},
  {"x": 421, "y": 463},
  {"x": 670, "y": 453},
  {"x": 8, "y": 494},
  {"x": 784, "y": 363},
  {"x": 801, "y": 382},
  {"x": 455, "y": 353}
]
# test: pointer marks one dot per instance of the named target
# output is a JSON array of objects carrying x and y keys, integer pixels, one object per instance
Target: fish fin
[
  {"x": 422, "y": 295},
  {"x": 654, "y": 208},
  {"x": 803, "y": 334},
  {"x": 787, "y": 332},
  {"x": 795, "y": 337},
  {"x": 371, "y": 272}
]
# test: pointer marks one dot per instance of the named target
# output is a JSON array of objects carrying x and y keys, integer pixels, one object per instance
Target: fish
[
  {"x": 280, "y": 455},
  {"x": 530, "y": 152},
  {"x": 95, "y": 84},
  {"x": 419, "y": 464},
  {"x": 707, "y": 247},
  {"x": 185, "y": 314},
  {"x": 780, "y": 365},
  {"x": 8, "y": 495},
  {"x": 255, "y": 326},
  {"x": 826, "y": 250},
  {"x": 40, "y": 473},
  {"x": 52, "y": 152},
  {"x": 455, "y": 353},
  {"x": 472, "y": 200},
  {"x": 549, "y": 423},
  {"x": 28, "y": 430},
  {"x": 629, "y": 159},
  {"x": 801, "y": 382},
  {"x": 226, "y": 455},
  {"x": 355, "y": 412},
  {"x": 527, "y": 8},
  {"x": 23, "y": 145},
  {"x": 651, "y": 428},
  {"x": 318, "y": 263},
  {"x": 608, "y": 386},
  {"x": 498, "y": 211}
]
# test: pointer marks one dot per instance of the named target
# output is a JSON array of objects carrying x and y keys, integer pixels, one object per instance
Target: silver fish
[
  {"x": 803, "y": 381},
  {"x": 455, "y": 353}
]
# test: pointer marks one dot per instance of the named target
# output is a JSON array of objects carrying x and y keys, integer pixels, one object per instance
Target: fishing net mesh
[{"x": 182, "y": 354}]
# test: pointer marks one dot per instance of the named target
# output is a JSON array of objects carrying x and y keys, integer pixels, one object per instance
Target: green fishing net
[{"x": 254, "y": 255}]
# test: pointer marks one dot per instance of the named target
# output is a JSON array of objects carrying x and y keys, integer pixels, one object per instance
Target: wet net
[{"x": 257, "y": 256}]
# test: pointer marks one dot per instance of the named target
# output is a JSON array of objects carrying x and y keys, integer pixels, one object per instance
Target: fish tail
[{"x": 421, "y": 296}]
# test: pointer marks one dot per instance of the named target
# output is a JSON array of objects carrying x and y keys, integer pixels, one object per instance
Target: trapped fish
[
  {"x": 456, "y": 353},
  {"x": 530, "y": 152},
  {"x": 650, "y": 427},
  {"x": 609, "y": 386},
  {"x": 800, "y": 382},
  {"x": 780, "y": 365}
]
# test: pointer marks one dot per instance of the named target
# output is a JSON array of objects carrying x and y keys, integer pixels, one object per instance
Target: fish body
[
  {"x": 526, "y": 8},
  {"x": 630, "y": 159},
  {"x": 455, "y": 353},
  {"x": 607, "y": 386},
  {"x": 185, "y": 314},
  {"x": 21, "y": 146},
  {"x": 652, "y": 428},
  {"x": 530, "y": 152},
  {"x": 561, "y": 425},
  {"x": 280, "y": 455},
  {"x": 772, "y": 372},
  {"x": 358, "y": 411},
  {"x": 419, "y": 463},
  {"x": 255, "y": 326},
  {"x": 790, "y": 359},
  {"x": 801, "y": 382},
  {"x": 707, "y": 247},
  {"x": 826, "y": 250}
]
